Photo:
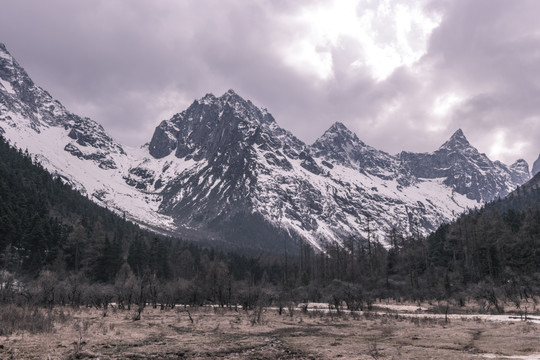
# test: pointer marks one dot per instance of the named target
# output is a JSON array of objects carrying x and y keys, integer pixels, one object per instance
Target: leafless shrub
[
  {"x": 290, "y": 308},
  {"x": 373, "y": 351},
  {"x": 256, "y": 317},
  {"x": 8, "y": 287},
  {"x": 81, "y": 327},
  {"x": 34, "y": 320},
  {"x": 355, "y": 315},
  {"x": 137, "y": 315}
]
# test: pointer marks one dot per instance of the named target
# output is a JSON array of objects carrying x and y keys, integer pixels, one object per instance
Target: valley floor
[{"x": 217, "y": 333}]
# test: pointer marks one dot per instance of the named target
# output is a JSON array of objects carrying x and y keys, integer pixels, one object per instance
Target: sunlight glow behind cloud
[
  {"x": 444, "y": 103},
  {"x": 384, "y": 36},
  {"x": 387, "y": 69}
]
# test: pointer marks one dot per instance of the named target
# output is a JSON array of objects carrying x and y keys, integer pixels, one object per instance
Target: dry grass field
[{"x": 217, "y": 333}]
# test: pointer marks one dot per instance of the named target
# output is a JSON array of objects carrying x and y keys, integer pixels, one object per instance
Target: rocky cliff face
[
  {"x": 224, "y": 169},
  {"x": 467, "y": 171},
  {"x": 238, "y": 164},
  {"x": 341, "y": 146}
]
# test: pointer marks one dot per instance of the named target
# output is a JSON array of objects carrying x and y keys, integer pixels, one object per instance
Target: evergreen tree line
[{"x": 57, "y": 247}]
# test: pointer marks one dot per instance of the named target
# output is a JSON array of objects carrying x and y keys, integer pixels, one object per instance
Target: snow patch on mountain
[
  {"x": 7, "y": 86},
  {"x": 105, "y": 186}
]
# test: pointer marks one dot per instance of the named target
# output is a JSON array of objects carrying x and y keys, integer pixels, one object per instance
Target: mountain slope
[
  {"x": 496, "y": 244},
  {"x": 76, "y": 149},
  {"x": 44, "y": 222},
  {"x": 341, "y": 146},
  {"x": 466, "y": 170},
  {"x": 223, "y": 169}
]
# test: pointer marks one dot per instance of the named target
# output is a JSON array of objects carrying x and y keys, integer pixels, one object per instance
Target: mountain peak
[
  {"x": 342, "y": 146},
  {"x": 231, "y": 94},
  {"x": 521, "y": 166},
  {"x": 338, "y": 127},
  {"x": 335, "y": 139},
  {"x": 457, "y": 140},
  {"x": 520, "y": 162},
  {"x": 458, "y": 135},
  {"x": 519, "y": 171},
  {"x": 209, "y": 96},
  {"x": 210, "y": 125},
  {"x": 228, "y": 97}
]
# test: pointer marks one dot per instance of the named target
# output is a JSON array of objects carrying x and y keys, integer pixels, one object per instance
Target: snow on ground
[{"x": 414, "y": 311}]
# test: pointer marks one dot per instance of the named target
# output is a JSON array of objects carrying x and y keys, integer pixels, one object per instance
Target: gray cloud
[
  {"x": 131, "y": 64},
  {"x": 489, "y": 51}
]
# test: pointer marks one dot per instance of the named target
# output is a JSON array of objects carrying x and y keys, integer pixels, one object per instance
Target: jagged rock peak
[
  {"x": 209, "y": 121},
  {"x": 458, "y": 135},
  {"x": 243, "y": 108},
  {"x": 12, "y": 72},
  {"x": 227, "y": 96},
  {"x": 208, "y": 98},
  {"x": 457, "y": 140},
  {"x": 519, "y": 171},
  {"x": 232, "y": 99},
  {"x": 339, "y": 132},
  {"x": 339, "y": 145},
  {"x": 340, "y": 128},
  {"x": 230, "y": 92},
  {"x": 521, "y": 165}
]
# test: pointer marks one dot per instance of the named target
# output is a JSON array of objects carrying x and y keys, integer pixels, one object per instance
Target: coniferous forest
[{"x": 58, "y": 247}]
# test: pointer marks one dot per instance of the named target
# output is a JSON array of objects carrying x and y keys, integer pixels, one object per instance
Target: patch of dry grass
[
  {"x": 209, "y": 333},
  {"x": 14, "y": 319}
]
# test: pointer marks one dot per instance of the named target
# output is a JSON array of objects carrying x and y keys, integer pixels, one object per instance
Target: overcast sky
[{"x": 403, "y": 75}]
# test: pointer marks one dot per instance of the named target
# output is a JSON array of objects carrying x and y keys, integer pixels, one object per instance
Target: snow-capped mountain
[
  {"x": 74, "y": 148},
  {"x": 466, "y": 170},
  {"x": 240, "y": 165},
  {"x": 224, "y": 169},
  {"x": 35, "y": 109}
]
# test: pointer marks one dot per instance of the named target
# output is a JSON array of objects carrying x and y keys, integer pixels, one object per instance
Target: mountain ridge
[{"x": 224, "y": 163}]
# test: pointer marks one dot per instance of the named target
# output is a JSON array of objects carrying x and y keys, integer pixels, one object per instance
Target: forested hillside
[
  {"x": 45, "y": 223},
  {"x": 497, "y": 246}
]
